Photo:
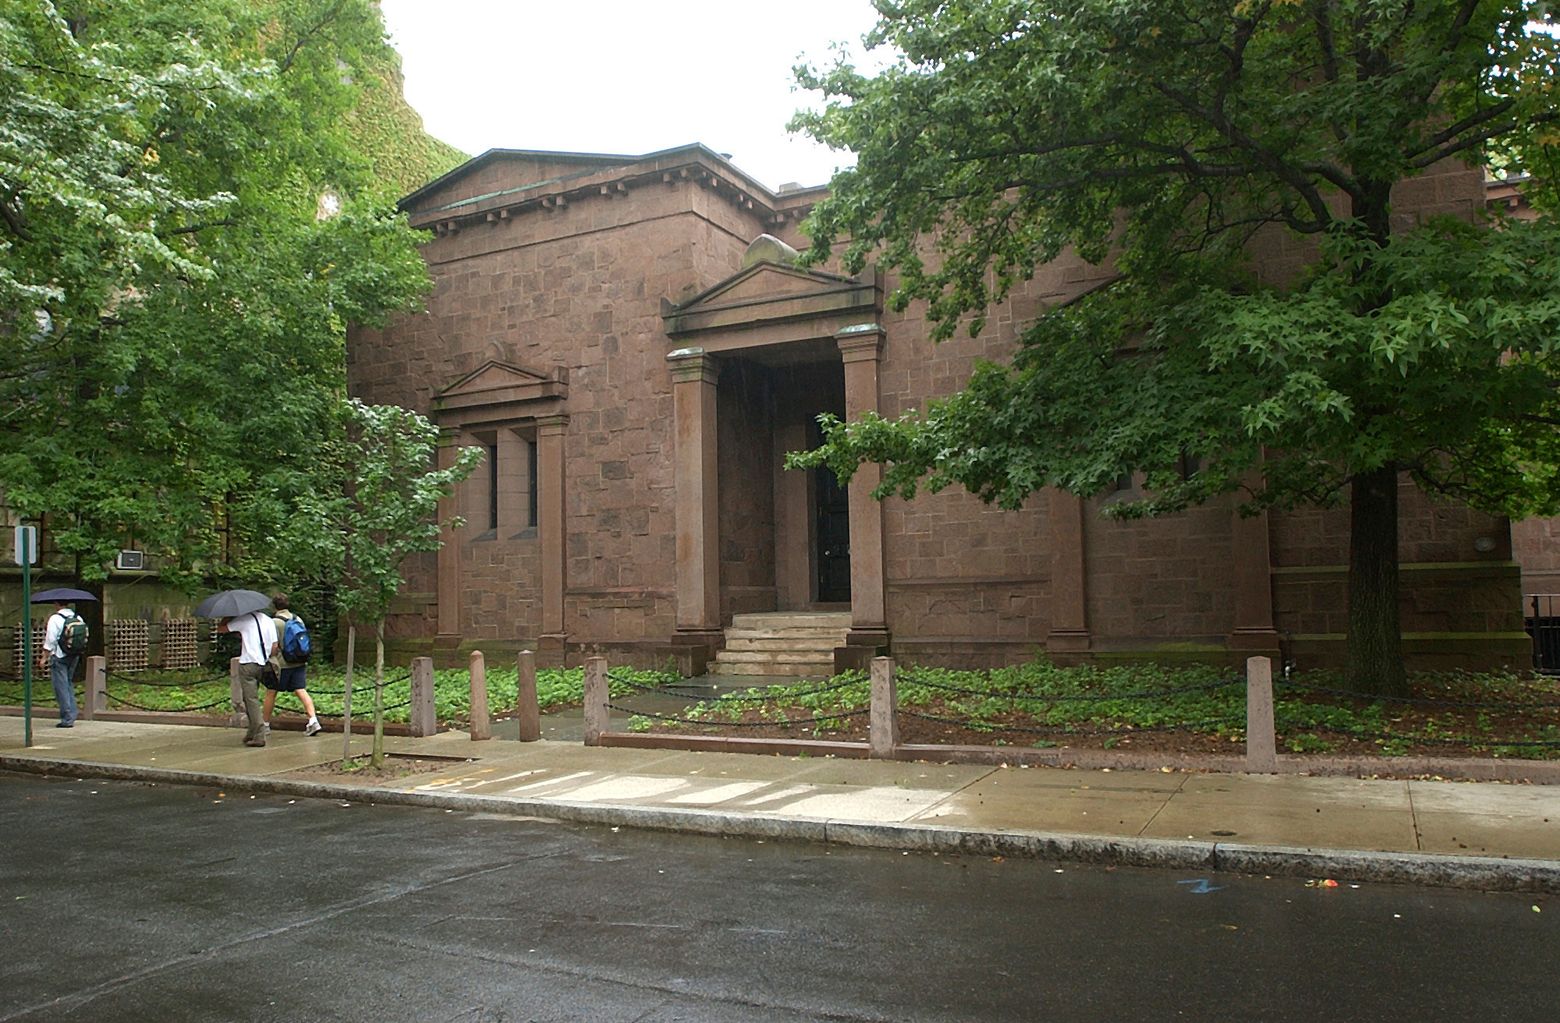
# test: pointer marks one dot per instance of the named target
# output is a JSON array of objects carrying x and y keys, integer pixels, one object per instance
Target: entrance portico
[{"x": 773, "y": 346}]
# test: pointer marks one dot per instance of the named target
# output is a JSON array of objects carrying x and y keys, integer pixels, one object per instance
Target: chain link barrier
[
  {"x": 783, "y": 693},
  {"x": 790, "y": 723},
  {"x": 915, "y": 677},
  {"x": 1419, "y": 701}
]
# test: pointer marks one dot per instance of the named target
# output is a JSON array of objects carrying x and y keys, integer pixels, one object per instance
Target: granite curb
[{"x": 1431, "y": 869}]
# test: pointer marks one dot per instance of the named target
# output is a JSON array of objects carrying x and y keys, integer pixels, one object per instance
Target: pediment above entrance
[
  {"x": 498, "y": 391},
  {"x": 768, "y": 303}
]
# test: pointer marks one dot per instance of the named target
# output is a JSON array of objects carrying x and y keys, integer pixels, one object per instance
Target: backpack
[
  {"x": 73, "y": 636},
  {"x": 296, "y": 646}
]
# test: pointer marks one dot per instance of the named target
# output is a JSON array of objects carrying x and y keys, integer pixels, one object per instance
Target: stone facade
[{"x": 629, "y": 341}]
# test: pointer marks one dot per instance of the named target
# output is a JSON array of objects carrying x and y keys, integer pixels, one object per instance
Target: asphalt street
[{"x": 135, "y": 902}]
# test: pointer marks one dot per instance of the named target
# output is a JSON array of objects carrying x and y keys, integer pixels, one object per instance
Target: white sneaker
[
  {"x": 313, "y": 727},
  {"x": 265, "y": 730}
]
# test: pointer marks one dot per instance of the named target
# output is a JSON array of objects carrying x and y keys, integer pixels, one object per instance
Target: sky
[{"x": 624, "y": 76}]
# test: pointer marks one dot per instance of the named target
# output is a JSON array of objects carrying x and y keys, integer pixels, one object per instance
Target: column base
[
  {"x": 861, "y": 645},
  {"x": 1068, "y": 646},
  {"x": 1253, "y": 642},
  {"x": 552, "y": 650},
  {"x": 692, "y": 650},
  {"x": 447, "y": 641}
]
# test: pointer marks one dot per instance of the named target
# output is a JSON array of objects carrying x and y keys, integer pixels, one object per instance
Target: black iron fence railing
[{"x": 1541, "y": 618}]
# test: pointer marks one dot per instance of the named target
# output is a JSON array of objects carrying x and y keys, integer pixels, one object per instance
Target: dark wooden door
[{"x": 832, "y": 534}]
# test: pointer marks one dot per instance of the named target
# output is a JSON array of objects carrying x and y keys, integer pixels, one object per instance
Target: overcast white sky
[{"x": 624, "y": 76}]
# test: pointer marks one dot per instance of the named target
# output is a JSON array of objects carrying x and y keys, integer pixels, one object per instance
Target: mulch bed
[{"x": 396, "y": 766}]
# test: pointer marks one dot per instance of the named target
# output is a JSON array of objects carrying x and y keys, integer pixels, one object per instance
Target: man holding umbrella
[
  {"x": 243, "y": 612},
  {"x": 64, "y": 640}
]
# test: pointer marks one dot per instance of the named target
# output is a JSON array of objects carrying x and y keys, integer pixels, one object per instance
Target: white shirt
[
  {"x": 256, "y": 635},
  {"x": 51, "y": 632}
]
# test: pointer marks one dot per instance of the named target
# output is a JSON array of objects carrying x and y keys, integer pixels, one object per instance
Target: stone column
[
  {"x": 1069, "y": 599},
  {"x": 1253, "y": 571},
  {"x": 861, "y": 348},
  {"x": 448, "y": 589},
  {"x": 695, "y": 479},
  {"x": 551, "y": 535}
]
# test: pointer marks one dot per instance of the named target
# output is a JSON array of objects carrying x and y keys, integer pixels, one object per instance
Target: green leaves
[
  {"x": 178, "y": 314},
  {"x": 372, "y": 501},
  {"x": 1175, "y": 141}
]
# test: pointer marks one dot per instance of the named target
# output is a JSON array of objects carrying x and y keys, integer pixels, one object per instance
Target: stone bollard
[
  {"x": 597, "y": 716},
  {"x": 1261, "y": 748},
  {"x": 481, "y": 722},
  {"x": 237, "y": 719},
  {"x": 421, "y": 717},
  {"x": 95, "y": 700},
  {"x": 883, "y": 724},
  {"x": 528, "y": 712}
]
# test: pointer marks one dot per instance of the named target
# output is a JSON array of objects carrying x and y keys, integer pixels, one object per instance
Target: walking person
[
  {"x": 256, "y": 639},
  {"x": 288, "y": 676},
  {"x": 64, "y": 640}
]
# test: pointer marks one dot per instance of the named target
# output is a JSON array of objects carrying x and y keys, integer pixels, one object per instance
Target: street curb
[{"x": 1483, "y": 873}]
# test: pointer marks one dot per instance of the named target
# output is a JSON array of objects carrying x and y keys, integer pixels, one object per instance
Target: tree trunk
[
  {"x": 1375, "y": 646},
  {"x": 346, "y": 695},
  {"x": 378, "y": 758}
]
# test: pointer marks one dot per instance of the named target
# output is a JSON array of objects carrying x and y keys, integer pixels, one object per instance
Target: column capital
[
  {"x": 552, "y": 425},
  {"x": 862, "y": 342},
  {"x": 693, "y": 365}
]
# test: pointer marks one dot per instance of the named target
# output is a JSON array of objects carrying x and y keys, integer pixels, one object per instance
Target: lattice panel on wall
[
  {"x": 16, "y": 645},
  {"x": 127, "y": 644},
  {"x": 178, "y": 643}
]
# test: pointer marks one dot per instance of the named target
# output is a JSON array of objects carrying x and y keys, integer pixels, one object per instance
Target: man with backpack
[
  {"x": 64, "y": 643},
  {"x": 289, "y": 664}
]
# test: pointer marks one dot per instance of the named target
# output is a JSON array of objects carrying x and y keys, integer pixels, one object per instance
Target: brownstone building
[{"x": 629, "y": 339}]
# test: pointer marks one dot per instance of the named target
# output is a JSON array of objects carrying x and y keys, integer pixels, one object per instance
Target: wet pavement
[
  {"x": 1480, "y": 835},
  {"x": 183, "y": 903}
]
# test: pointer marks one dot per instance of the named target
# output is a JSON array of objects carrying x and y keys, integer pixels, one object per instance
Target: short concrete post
[
  {"x": 95, "y": 699},
  {"x": 528, "y": 711},
  {"x": 481, "y": 723},
  {"x": 1261, "y": 748},
  {"x": 421, "y": 717},
  {"x": 597, "y": 715},
  {"x": 239, "y": 718},
  {"x": 883, "y": 727}
]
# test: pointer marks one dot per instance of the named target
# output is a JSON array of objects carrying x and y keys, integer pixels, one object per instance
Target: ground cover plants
[
  {"x": 1193, "y": 709},
  {"x": 203, "y": 692},
  {"x": 1148, "y": 707}
]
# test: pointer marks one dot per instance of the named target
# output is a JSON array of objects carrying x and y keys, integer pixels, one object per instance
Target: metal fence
[{"x": 1541, "y": 618}]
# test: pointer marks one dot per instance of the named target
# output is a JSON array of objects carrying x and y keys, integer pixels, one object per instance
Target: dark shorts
[{"x": 292, "y": 679}]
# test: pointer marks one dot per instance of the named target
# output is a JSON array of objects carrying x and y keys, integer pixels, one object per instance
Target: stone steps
[{"x": 782, "y": 644}]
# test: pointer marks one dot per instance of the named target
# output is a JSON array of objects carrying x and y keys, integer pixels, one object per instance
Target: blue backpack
[{"x": 296, "y": 647}]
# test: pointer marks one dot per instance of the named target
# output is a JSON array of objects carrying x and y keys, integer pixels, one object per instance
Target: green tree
[
  {"x": 373, "y": 503},
  {"x": 174, "y": 295},
  {"x": 1161, "y": 136}
]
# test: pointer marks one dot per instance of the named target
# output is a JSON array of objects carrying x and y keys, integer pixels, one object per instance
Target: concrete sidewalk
[{"x": 1467, "y": 834}]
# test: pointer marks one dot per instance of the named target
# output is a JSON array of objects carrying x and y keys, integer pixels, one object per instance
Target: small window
[
  {"x": 531, "y": 484},
  {"x": 492, "y": 461}
]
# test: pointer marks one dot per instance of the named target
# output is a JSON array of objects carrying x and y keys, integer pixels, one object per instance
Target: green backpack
[{"x": 73, "y": 636}]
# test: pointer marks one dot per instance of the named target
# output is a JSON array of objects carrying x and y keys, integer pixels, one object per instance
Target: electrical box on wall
[{"x": 130, "y": 561}]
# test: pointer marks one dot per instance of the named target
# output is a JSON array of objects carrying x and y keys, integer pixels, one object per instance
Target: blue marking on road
[{"x": 1201, "y": 886}]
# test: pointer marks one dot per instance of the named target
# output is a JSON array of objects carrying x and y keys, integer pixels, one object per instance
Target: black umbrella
[
  {"x": 229, "y": 603},
  {"x": 62, "y": 593}
]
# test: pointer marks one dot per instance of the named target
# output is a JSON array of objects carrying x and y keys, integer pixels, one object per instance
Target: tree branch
[{"x": 304, "y": 37}]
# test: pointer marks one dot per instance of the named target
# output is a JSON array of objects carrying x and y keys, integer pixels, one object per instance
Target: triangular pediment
[
  {"x": 815, "y": 302},
  {"x": 500, "y": 387},
  {"x": 766, "y": 282}
]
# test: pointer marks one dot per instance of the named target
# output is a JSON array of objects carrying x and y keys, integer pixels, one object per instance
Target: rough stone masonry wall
[{"x": 578, "y": 288}]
